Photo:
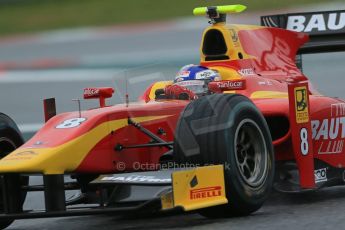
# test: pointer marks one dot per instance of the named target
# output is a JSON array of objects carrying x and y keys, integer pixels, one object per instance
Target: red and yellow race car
[{"x": 258, "y": 124}]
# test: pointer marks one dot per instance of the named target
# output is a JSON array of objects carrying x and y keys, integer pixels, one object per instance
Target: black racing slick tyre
[
  {"x": 10, "y": 139},
  {"x": 228, "y": 129}
]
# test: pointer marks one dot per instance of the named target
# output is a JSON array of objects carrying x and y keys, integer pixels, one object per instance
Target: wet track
[
  {"x": 323, "y": 209},
  {"x": 21, "y": 94}
]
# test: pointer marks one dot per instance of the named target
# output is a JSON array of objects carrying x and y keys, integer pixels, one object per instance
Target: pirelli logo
[
  {"x": 301, "y": 104},
  {"x": 207, "y": 192}
]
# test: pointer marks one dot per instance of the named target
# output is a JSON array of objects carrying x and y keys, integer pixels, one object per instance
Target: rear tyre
[
  {"x": 10, "y": 139},
  {"x": 229, "y": 129}
]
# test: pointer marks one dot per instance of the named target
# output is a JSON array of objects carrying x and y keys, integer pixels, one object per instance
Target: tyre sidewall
[
  {"x": 10, "y": 133},
  {"x": 9, "y": 130},
  {"x": 238, "y": 191}
]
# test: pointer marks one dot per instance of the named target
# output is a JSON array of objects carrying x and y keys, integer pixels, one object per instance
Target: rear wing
[{"x": 326, "y": 29}]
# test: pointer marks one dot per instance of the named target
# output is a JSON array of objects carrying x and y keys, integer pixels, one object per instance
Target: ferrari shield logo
[{"x": 301, "y": 104}]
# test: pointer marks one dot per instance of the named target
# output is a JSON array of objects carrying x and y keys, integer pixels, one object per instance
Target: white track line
[{"x": 70, "y": 75}]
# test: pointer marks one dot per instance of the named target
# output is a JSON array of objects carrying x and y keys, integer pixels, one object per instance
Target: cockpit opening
[{"x": 214, "y": 46}]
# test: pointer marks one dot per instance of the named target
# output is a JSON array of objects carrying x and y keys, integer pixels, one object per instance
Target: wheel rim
[
  {"x": 6, "y": 146},
  {"x": 251, "y": 153}
]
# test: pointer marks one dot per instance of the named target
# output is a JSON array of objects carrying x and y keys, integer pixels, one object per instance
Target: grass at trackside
[{"x": 22, "y": 16}]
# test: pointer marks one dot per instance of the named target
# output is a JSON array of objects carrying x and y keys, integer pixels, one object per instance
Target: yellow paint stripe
[
  {"x": 268, "y": 94},
  {"x": 66, "y": 157}
]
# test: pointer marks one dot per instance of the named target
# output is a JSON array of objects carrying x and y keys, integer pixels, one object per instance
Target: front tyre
[
  {"x": 230, "y": 130},
  {"x": 10, "y": 139}
]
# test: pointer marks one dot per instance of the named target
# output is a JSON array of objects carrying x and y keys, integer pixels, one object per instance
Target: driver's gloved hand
[{"x": 179, "y": 92}]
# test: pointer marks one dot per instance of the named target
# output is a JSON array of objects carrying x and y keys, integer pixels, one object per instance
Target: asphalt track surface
[
  {"x": 21, "y": 94},
  {"x": 323, "y": 209}
]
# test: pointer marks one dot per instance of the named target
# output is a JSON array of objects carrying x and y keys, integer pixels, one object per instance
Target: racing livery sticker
[
  {"x": 265, "y": 82},
  {"x": 246, "y": 72},
  {"x": 91, "y": 92},
  {"x": 194, "y": 182},
  {"x": 191, "y": 82},
  {"x": 136, "y": 178},
  {"x": 304, "y": 141},
  {"x": 231, "y": 85},
  {"x": 301, "y": 104},
  {"x": 337, "y": 109},
  {"x": 330, "y": 132},
  {"x": 234, "y": 38},
  {"x": 23, "y": 155},
  {"x": 226, "y": 85},
  {"x": 206, "y": 74},
  {"x": 320, "y": 175},
  {"x": 318, "y": 23},
  {"x": 270, "y": 21},
  {"x": 206, "y": 192},
  {"x": 206, "y": 187},
  {"x": 26, "y": 153},
  {"x": 71, "y": 123}
]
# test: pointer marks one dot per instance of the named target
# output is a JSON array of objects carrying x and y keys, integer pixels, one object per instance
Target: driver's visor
[{"x": 196, "y": 86}]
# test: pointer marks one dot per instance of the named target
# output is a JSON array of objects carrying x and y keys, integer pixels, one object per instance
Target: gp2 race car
[{"x": 262, "y": 126}]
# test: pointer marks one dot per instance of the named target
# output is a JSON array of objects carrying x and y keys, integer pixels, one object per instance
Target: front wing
[{"x": 181, "y": 189}]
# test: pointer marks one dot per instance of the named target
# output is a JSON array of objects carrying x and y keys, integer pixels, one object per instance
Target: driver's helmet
[{"x": 196, "y": 78}]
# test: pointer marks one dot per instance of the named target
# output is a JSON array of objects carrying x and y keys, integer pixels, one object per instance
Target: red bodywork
[{"x": 268, "y": 72}]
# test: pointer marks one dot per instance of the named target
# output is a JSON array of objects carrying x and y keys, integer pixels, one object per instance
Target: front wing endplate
[{"x": 196, "y": 188}]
